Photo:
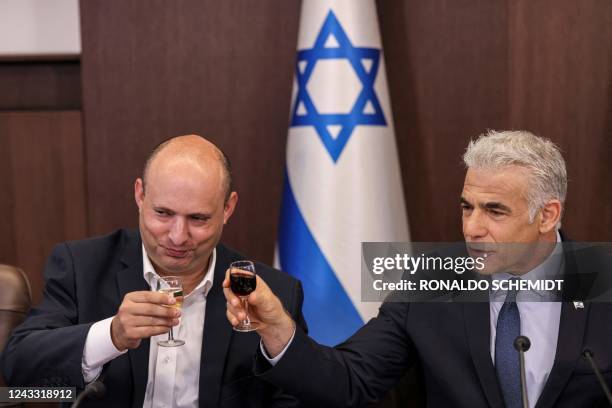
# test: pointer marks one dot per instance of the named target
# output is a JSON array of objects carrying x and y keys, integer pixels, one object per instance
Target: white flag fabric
[{"x": 342, "y": 183}]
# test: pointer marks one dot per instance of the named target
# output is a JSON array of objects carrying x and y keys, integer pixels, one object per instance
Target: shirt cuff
[
  {"x": 280, "y": 355},
  {"x": 99, "y": 349}
]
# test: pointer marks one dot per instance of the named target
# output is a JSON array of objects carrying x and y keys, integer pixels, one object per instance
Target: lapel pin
[{"x": 578, "y": 305}]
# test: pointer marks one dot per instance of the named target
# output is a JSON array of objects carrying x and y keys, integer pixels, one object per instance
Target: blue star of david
[{"x": 304, "y": 111}]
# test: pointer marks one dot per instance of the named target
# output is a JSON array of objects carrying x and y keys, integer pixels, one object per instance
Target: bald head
[{"x": 191, "y": 150}]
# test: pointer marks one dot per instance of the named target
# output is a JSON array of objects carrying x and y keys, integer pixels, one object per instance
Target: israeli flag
[{"x": 342, "y": 184}]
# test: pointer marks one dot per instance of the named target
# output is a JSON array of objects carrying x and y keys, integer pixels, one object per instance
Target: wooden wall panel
[
  {"x": 560, "y": 86},
  {"x": 40, "y": 84},
  {"x": 458, "y": 68},
  {"x": 43, "y": 187},
  {"x": 154, "y": 69},
  {"x": 446, "y": 63}
]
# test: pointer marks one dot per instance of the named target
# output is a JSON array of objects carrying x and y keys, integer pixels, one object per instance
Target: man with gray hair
[
  {"x": 512, "y": 201},
  {"x": 547, "y": 176}
]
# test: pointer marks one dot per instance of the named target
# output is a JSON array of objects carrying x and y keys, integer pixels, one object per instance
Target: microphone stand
[
  {"x": 522, "y": 344},
  {"x": 95, "y": 389},
  {"x": 588, "y": 354}
]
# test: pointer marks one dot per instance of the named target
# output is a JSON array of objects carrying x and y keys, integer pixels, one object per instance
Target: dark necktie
[{"x": 506, "y": 356}]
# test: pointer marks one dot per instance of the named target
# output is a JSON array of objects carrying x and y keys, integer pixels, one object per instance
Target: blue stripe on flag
[{"x": 329, "y": 312}]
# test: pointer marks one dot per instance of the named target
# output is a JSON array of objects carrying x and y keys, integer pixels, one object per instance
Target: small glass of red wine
[{"x": 242, "y": 283}]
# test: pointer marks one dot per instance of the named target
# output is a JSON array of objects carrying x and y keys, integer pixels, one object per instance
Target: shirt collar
[
  {"x": 149, "y": 274},
  {"x": 549, "y": 269}
]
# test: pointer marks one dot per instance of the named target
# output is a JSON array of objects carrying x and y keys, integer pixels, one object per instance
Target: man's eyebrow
[
  {"x": 493, "y": 205},
  {"x": 200, "y": 215}
]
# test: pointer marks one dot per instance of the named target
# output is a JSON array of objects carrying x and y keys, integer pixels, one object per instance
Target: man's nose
[
  {"x": 179, "y": 232},
  {"x": 474, "y": 227}
]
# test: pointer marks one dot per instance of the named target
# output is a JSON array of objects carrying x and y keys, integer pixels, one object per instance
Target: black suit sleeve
[
  {"x": 294, "y": 307},
  {"x": 47, "y": 348},
  {"x": 354, "y": 373}
]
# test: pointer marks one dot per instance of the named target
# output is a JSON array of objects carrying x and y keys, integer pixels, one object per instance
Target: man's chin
[
  {"x": 173, "y": 264},
  {"x": 485, "y": 272}
]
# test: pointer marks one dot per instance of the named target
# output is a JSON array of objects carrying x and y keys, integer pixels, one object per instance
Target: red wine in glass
[{"x": 243, "y": 283}]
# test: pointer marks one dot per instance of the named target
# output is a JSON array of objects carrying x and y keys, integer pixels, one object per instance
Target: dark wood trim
[{"x": 40, "y": 57}]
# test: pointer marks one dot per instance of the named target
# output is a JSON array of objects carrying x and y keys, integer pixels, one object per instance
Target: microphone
[
  {"x": 95, "y": 389},
  {"x": 522, "y": 344},
  {"x": 588, "y": 355}
]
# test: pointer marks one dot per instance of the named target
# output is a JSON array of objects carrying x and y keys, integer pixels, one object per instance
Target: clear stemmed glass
[
  {"x": 242, "y": 283},
  {"x": 171, "y": 285}
]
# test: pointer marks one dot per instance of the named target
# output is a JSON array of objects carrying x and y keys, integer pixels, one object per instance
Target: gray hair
[{"x": 548, "y": 176}]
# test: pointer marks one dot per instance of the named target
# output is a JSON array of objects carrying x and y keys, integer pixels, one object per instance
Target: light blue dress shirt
[{"x": 539, "y": 322}]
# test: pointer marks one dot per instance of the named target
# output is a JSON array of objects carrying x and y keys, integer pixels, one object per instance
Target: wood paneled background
[
  {"x": 41, "y": 162},
  {"x": 74, "y": 134}
]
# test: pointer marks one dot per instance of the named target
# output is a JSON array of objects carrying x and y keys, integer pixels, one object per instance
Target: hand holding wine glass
[
  {"x": 142, "y": 315},
  {"x": 275, "y": 325}
]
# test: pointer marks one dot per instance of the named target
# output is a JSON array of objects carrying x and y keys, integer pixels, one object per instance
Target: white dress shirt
[
  {"x": 166, "y": 364},
  {"x": 539, "y": 322}
]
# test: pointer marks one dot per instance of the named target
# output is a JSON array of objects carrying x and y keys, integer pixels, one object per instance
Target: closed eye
[
  {"x": 465, "y": 205},
  {"x": 202, "y": 218},
  {"x": 162, "y": 212}
]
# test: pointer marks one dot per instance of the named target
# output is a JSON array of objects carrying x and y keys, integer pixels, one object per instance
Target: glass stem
[
  {"x": 171, "y": 334},
  {"x": 246, "y": 322}
]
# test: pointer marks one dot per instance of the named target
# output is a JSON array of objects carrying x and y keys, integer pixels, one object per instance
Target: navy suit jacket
[
  {"x": 451, "y": 341},
  {"x": 86, "y": 282}
]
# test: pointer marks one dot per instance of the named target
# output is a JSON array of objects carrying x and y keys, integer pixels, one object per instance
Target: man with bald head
[{"x": 101, "y": 317}]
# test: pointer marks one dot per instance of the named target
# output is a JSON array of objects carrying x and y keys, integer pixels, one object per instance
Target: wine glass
[
  {"x": 242, "y": 283},
  {"x": 171, "y": 285}
]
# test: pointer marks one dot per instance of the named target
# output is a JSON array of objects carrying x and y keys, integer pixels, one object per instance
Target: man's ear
[
  {"x": 230, "y": 206},
  {"x": 139, "y": 193},
  {"x": 550, "y": 215}
]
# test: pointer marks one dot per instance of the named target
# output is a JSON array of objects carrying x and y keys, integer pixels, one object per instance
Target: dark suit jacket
[
  {"x": 451, "y": 341},
  {"x": 86, "y": 282}
]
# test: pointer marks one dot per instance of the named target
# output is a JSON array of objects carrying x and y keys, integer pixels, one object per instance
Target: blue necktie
[{"x": 506, "y": 356}]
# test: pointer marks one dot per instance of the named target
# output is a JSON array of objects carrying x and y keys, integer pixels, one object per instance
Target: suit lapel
[
  {"x": 569, "y": 347},
  {"x": 217, "y": 336},
  {"x": 130, "y": 279},
  {"x": 477, "y": 325},
  {"x": 572, "y": 326}
]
